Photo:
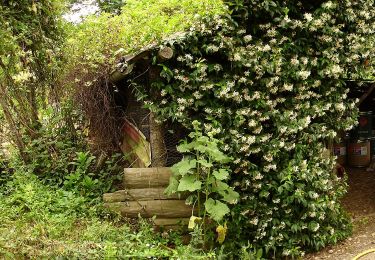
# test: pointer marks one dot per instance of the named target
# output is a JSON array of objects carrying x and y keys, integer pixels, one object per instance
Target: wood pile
[{"x": 144, "y": 195}]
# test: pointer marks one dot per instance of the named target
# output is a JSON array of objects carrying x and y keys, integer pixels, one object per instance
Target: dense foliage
[
  {"x": 272, "y": 86},
  {"x": 43, "y": 222},
  {"x": 30, "y": 36},
  {"x": 266, "y": 80}
]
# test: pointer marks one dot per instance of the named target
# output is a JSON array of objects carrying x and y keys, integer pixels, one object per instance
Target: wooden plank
[
  {"x": 171, "y": 222},
  {"x": 139, "y": 194},
  {"x": 150, "y": 208},
  {"x": 164, "y": 224},
  {"x": 136, "y": 178}
]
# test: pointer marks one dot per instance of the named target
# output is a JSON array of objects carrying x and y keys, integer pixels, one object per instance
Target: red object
[{"x": 340, "y": 170}]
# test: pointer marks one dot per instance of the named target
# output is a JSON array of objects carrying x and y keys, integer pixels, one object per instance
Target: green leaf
[
  {"x": 205, "y": 163},
  {"x": 222, "y": 174},
  {"x": 216, "y": 209},
  {"x": 221, "y": 186},
  {"x": 189, "y": 183},
  {"x": 184, "y": 147},
  {"x": 183, "y": 167},
  {"x": 231, "y": 196},
  {"x": 172, "y": 187}
]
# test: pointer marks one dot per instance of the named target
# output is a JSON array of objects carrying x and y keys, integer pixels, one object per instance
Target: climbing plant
[{"x": 270, "y": 82}]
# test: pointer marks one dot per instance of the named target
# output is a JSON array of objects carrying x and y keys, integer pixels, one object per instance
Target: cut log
[
  {"x": 163, "y": 224},
  {"x": 171, "y": 222},
  {"x": 150, "y": 208},
  {"x": 165, "y": 54},
  {"x": 139, "y": 194},
  {"x": 136, "y": 178}
]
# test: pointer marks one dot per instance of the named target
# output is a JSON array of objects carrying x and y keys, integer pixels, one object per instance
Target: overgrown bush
[
  {"x": 270, "y": 82},
  {"x": 59, "y": 155}
]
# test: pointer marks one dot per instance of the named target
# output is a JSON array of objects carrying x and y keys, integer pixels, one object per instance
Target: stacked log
[{"x": 144, "y": 195}]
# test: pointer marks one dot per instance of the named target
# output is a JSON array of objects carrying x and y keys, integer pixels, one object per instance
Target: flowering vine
[{"x": 272, "y": 84}]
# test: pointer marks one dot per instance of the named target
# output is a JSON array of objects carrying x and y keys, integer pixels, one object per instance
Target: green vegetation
[
  {"x": 93, "y": 47},
  {"x": 260, "y": 84},
  {"x": 270, "y": 83},
  {"x": 44, "y": 222},
  {"x": 202, "y": 173}
]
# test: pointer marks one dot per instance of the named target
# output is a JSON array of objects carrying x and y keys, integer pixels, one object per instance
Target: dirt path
[{"x": 360, "y": 202}]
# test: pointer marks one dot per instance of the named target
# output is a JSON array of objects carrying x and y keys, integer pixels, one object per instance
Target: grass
[{"x": 43, "y": 222}]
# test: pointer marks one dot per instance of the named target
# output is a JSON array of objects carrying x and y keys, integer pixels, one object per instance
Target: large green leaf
[
  {"x": 222, "y": 174},
  {"x": 205, "y": 163},
  {"x": 231, "y": 196},
  {"x": 184, "y": 147},
  {"x": 189, "y": 183},
  {"x": 216, "y": 209},
  {"x": 183, "y": 167}
]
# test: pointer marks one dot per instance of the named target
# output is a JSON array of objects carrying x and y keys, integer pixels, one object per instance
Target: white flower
[
  {"x": 242, "y": 80},
  {"x": 23, "y": 76},
  {"x": 188, "y": 57},
  {"x": 303, "y": 74},
  {"x": 236, "y": 57},
  {"x": 294, "y": 61},
  {"x": 340, "y": 107},
  {"x": 197, "y": 95},
  {"x": 336, "y": 69},
  {"x": 288, "y": 87},
  {"x": 218, "y": 67},
  {"x": 328, "y": 5},
  {"x": 247, "y": 38},
  {"x": 266, "y": 48},
  {"x": 268, "y": 157},
  {"x": 254, "y": 221},
  {"x": 181, "y": 101},
  {"x": 308, "y": 17},
  {"x": 316, "y": 227}
]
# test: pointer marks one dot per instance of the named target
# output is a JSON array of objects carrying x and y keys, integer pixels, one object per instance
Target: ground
[{"x": 360, "y": 203}]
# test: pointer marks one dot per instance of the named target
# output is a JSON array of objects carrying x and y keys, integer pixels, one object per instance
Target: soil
[{"x": 360, "y": 203}]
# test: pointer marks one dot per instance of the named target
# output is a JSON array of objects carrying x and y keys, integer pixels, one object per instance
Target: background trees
[{"x": 30, "y": 39}]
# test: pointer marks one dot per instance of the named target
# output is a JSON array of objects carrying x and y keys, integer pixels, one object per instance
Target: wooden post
[{"x": 158, "y": 149}]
